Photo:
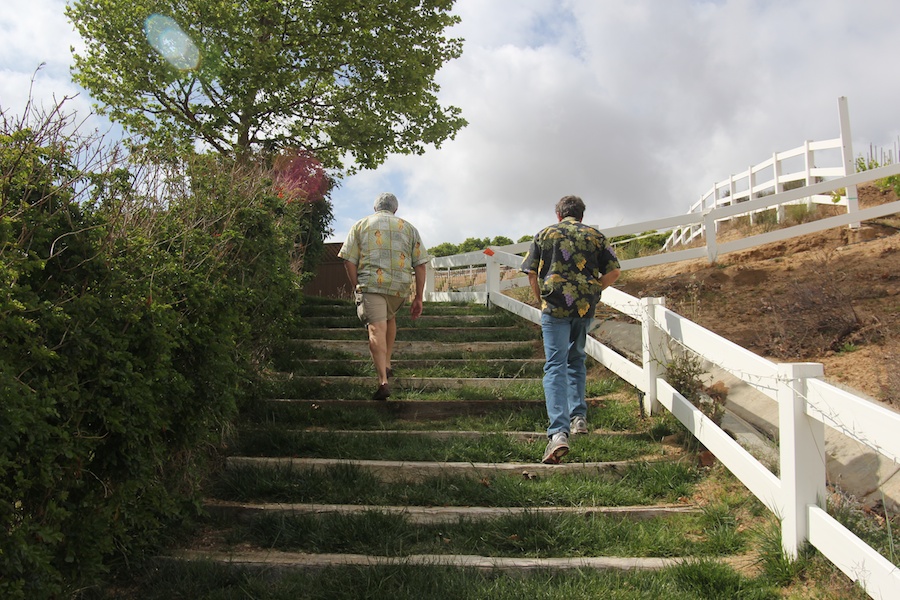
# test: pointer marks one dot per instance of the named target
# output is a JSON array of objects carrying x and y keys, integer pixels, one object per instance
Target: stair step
[
  {"x": 439, "y": 514},
  {"x": 392, "y": 471},
  {"x": 416, "y": 409},
  {"x": 424, "y": 319},
  {"x": 361, "y": 347},
  {"x": 424, "y": 363},
  {"x": 419, "y": 383},
  {"x": 274, "y": 561},
  {"x": 446, "y": 434},
  {"x": 499, "y": 329}
]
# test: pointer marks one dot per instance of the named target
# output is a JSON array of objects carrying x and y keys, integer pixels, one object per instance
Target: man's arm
[
  {"x": 535, "y": 288},
  {"x": 350, "y": 268},
  {"x": 415, "y": 310},
  {"x": 610, "y": 278}
]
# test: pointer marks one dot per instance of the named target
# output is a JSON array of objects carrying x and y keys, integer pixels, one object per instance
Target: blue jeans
[{"x": 564, "y": 369}]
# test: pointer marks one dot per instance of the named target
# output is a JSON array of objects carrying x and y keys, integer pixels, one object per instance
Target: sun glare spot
[{"x": 171, "y": 42}]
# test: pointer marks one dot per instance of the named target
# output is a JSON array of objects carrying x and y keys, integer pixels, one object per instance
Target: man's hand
[{"x": 415, "y": 311}]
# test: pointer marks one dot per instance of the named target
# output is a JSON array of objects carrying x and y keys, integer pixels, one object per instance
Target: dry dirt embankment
[{"x": 831, "y": 297}]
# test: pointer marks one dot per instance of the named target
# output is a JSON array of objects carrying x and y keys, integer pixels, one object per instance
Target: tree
[
  {"x": 501, "y": 240},
  {"x": 473, "y": 244},
  {"x": 444, "y": 249},
  {"x": 337, "y": 78}
]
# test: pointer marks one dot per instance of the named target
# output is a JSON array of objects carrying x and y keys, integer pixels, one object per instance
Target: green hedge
[{"x": 129, "y": 330}]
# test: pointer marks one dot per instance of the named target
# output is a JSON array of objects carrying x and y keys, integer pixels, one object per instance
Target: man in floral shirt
[
  {"x": 382, "y": 255},
  {"x": 568, "y": 265}
]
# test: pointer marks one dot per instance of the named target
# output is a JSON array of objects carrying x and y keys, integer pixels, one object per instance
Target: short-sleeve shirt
[
  {"x": 384, "y": 248},
  {"x": 569, "y": 259}
]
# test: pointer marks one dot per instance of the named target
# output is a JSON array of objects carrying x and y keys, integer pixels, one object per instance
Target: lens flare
[{"x": 171, "y": 42}]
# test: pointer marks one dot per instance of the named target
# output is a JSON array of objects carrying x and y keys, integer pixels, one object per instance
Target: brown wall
[{"x": 331, "y": 279}]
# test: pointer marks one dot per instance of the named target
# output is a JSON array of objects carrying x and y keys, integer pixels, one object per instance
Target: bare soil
[{"x": 831, "y": 297}]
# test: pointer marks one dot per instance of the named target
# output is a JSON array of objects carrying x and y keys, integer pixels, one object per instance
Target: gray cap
[{"x": 386, "y": 201}]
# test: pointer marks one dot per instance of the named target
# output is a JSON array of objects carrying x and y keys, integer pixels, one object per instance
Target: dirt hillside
[{"x": 831, "y": 297}]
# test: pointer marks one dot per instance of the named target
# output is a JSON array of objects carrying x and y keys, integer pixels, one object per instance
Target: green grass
[
  {"x": 528, "y": 534},
  {"x": 491, "y": 447},
  {"x": 639, "y": 484},
  {"x": 607, "y": 415},
  {"x": 695, "y": 580},
  {"x": 350, "y": 320},
  {"x": 460, "y": 333},
  {"x": 323, "y": 389},
  {"x": 405, "y": 369},
  {"x": 291, "y": 354}
]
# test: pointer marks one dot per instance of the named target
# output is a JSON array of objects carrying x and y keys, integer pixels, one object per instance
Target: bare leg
[
  {"x": 390, "y": 336},
  {"x": 378, "y": 347}
]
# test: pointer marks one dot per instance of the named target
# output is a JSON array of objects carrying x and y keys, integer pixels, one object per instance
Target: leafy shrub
[{"x": 135, "y": 307}]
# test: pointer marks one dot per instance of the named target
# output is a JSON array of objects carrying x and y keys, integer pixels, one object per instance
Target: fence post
[
  {"x": 802, "y": 449},
  {"x": 847, "y": 157},
  {"x": 653, "y": 352},
  {"x": 492, "y": 273},
  {"x": 709, "y": 225},
  {"x": 779, "y": 186},
  {"x": 751, "y": 183},
  {"x": 809, "y": 163},
  {"x": 429, "y": 280}
]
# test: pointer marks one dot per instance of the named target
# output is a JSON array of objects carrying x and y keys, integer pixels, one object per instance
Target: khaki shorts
[{"x": 375, "y": 308}]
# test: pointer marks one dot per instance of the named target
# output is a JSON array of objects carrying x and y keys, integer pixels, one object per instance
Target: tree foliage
[
  {"x": 332, "y": 77},
  {"x": 471, "y": 244}
]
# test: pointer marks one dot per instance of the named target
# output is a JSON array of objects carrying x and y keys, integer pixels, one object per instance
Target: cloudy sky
[{"x": 638, "y": 106}]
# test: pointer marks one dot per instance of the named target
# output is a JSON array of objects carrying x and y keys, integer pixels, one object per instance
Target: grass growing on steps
[
  {"x": 611, "y": 415},
  {"x": 640, "y": 484},
  {"x": 496, "y": 447},
  {"x": 304, "y": 388},
  {"x": 350, "y": 320},
  {"x": 292, "y": 354},
  {"x": 694, "y": 580},
  {"x": 528, "y": 534},
  {"x": 438, "y": 368}
]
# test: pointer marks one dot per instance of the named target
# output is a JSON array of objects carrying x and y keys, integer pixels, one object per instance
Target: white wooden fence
[
  {"x": 806, "y": 403},
  {"x": 773, "y": 175}
]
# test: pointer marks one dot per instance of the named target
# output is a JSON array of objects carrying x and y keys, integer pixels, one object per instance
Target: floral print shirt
[
  {"x": 384, "y": 248},
  {"x": 569, "y": 258}
]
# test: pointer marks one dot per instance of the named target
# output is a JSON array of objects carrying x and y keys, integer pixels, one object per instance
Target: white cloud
[
  {"x": 637, "y": 106},
  {"x": 35, "y": 57}
]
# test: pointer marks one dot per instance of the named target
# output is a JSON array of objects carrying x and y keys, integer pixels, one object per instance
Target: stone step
[
  {"x": 417, "y": 349},
  {"x": 498, "y": 329},
  {"x": 523, "y": 436},
  {"x": 425, "y": 363},
  {"x": 401, "y": 318},
  {"x": 416, "y": 409},
  {"x": 394, "y": 470},
  {"x": 439, "y": 514},
  {"x": 419, "y": 383},
  {"x": 276, "y": 562}
]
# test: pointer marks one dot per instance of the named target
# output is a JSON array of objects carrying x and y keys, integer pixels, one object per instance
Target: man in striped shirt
[{"x": 382, "y": 255}]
